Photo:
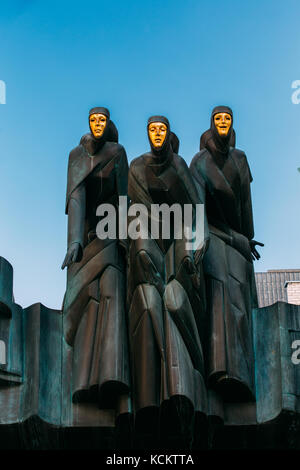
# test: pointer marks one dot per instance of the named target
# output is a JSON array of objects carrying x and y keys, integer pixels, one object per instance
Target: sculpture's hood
[
  {"x": 110, "y": 134},
  {"x": 208, "y": 135},
  {"x": 211, "y": 139},
  {"x": 90, "y": 150},
  {"x": 170, "y": 145},
  {"x": 165, "y": 148}
]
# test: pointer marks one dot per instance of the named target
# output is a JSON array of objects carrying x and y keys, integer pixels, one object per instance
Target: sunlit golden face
[
  {"x": 222, "y": 122},
  {"x": 157, "y": 132},
  {"x": 97, "y": 124}
]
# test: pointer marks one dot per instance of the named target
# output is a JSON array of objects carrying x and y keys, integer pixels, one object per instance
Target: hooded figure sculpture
[
  {"x": 223, "y": 178},
  {"x": 94, "y": 304},
  {"x": 165, "y": 296}
]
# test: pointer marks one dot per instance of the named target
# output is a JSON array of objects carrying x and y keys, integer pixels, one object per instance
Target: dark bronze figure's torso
[
  {"x": 165, "y": 310},
  {"x": 229, "y": 272},
  {"x": 94, "y": 304}
]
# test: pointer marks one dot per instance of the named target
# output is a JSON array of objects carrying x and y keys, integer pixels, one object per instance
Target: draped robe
[
  {"x": 228, "y": 268},
  {"x": 94, "y": 308},
  {"x": 165, "y": 308}
]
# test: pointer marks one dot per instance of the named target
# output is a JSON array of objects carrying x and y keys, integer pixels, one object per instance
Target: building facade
[{"x": 278, "y": 285}]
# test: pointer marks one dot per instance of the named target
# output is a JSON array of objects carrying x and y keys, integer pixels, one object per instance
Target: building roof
[{"x": 271, "y": 285}]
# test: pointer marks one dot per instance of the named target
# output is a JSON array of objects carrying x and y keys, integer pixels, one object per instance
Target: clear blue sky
[{"x": 178, "y": 58}]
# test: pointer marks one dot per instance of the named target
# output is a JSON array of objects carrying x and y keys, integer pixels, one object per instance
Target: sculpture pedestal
[{"x": 37, "y": 412}]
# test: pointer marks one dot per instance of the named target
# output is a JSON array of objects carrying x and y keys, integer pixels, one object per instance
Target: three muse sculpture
[{"x": 155, "y": 327}]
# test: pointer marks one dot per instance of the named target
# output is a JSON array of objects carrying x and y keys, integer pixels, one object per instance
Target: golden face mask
[
  {"x": 157, "y": 133},
  {"x": 222, "y": 122},
  {"x": 97, "y": 124}
]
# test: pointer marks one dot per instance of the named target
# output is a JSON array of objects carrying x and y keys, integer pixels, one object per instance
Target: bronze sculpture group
[{"x": 154, "y": 327}]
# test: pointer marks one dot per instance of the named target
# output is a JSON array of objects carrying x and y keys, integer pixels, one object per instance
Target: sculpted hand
[
  {"x": 72, "y": 255},
  {"x": 254, "y": 252}
]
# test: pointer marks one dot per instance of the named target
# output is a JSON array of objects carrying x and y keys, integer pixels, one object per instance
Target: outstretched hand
[
  {"x": 72, "y": 255},
  {"x": 254, "y": 252}
]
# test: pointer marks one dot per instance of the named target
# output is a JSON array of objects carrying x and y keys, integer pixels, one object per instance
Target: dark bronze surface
[
  {"x": 166, "y": 305},
  {"x": 223, "y": 177},
  {"x": 94, "y": 314},
  {"x": 191, "y": 363}
]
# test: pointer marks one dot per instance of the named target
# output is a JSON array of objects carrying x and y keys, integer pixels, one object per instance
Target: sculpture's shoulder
[
  {"x": 137, "y": 165},
  {"x": 114, "y": 150},
  {"x": 181, "y": 167},
  {"x": 115, "y": 147},
  {"x": 137, "y": 182},
  {"x": 179, "y": 161},
  {"x": 239, "y": 154},
  {"x": 76, "y": 155},
  {"x": 77, "y": 151},
  {"x": 199, "y": 158},
  {"x": 137, "y": 172},
  {"x": 240, "y": 158},
  {"x": 186, "y": 176}
]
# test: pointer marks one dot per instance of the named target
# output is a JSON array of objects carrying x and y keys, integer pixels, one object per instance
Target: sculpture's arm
[
  {"x": 235, "y": 239},
  {"x": 76, "y": 218},
  {"x": 122, "y": 174},
  {"x": 136, "y": 192},
  {"x": 247, "y": 214},
  {"x": 122, "y": 190},
  {"x": 201, "y": 193}
]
